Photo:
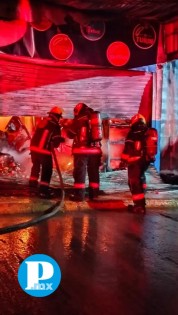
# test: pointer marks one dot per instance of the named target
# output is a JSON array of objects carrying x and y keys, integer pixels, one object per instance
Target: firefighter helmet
[
  {"x": 56, "y": 111},
  {"x": 78, "y": 108},
  {"x": 138, "y": 118}
]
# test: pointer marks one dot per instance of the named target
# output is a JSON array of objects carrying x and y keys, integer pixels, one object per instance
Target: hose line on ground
[{"x": 50, "y": 212}]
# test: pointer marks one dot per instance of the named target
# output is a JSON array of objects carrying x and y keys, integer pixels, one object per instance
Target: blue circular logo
[{"x": 39, "y": 275}]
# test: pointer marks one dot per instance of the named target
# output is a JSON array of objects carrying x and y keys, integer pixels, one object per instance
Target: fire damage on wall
[{"x": 14, "y": 144}]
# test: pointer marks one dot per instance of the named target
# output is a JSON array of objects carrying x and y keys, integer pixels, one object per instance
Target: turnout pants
[
  {"x": 86, "y": 164},
  {"x": 137, "y": 181},
  {"x": 41, "y": 164}
]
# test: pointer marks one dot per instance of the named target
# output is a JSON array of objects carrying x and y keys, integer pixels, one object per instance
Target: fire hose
[{"x": 47, "y": 214}]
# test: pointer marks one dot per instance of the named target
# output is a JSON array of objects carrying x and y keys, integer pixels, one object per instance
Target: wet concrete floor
[{"x": 112, "y": 263}]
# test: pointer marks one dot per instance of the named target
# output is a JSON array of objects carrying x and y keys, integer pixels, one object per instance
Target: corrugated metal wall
[
  {"x": 31, "y": 87},
  {"x": 165, "y": 116},
  {"x": 169, "y": 118}
]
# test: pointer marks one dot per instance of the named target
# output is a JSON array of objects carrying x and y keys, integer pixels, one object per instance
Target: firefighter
[
  {"x": 135, "y": 157},
  {"x": 87, "y": 134},
  {"x": 46, "y": 136}
]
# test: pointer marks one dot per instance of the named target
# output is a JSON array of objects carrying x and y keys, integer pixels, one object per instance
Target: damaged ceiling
[{"x": 161, "y": 11}]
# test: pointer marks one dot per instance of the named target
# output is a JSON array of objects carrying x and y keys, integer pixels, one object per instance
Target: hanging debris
[{"x": 14, "y": 147}]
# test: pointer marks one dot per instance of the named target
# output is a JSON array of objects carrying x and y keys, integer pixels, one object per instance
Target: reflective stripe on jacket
[{"x": 86, "y": 150}]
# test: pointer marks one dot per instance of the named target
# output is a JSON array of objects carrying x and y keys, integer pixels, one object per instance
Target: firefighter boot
[
  {"x": 93, "y": 193},
  {"x": 79, "y": 195},
  {"x": 33, "y": 184},
  {"x": 33, "y": 187},
  {"x": 45, "y": 193},
  {"x": 140, "y": 209}
]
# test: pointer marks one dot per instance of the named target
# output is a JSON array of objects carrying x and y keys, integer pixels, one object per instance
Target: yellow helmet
[
  {"x": 56, "y": 111},
  {"x": 136, "y": 118}
]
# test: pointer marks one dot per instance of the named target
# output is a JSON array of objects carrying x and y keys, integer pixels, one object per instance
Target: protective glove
[
  {"x": 62, "y": 139},
  {"x": 123, "y": 165}
]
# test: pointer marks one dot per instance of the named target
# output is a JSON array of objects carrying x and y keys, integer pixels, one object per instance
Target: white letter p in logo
[{"x": 33, "y": 273}]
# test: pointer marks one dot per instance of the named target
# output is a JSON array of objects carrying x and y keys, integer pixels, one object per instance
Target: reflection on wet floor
[{"x": 111, "y": 263}]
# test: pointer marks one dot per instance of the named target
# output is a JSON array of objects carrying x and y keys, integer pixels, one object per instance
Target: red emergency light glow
[
  {"x": 118, "y": 53},
  {"x": 42, "y": 25},
  {"x": 61, "y": 46}
]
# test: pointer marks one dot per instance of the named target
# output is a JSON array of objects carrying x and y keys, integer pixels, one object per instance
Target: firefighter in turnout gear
[
  {"x": 46, "y": 136},
  {"x": 136, "y": 157},
  {"x": 86, "y": 130}
]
